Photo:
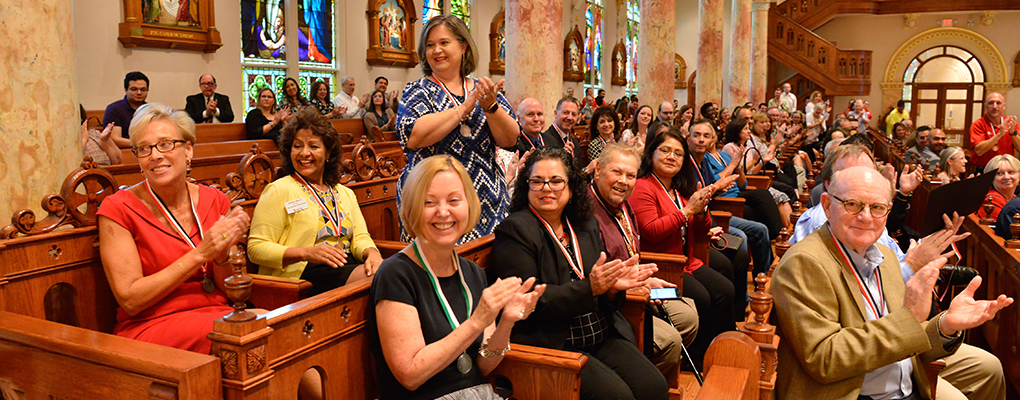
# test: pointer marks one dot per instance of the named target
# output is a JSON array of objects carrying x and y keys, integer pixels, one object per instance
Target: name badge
[{"x": 296, "y": 205}]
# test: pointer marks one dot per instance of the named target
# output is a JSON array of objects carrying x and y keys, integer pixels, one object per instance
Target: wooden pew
[
  {"x": 999, "y": 268},
  {"x": 212, "y": 133}
]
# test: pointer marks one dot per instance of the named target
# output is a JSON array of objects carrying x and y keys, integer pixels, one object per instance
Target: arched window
[
  {"x": 462, "y": 9},
  {"x": 264, "y": 48},
  {"x": 593, "y": 44},
  {"x": 944, "y": 87},
  {"x": 633, "y": 29},
  {"x": 429, "y": 9}
]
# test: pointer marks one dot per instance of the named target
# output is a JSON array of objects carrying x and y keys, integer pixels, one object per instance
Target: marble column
[
  {"x": 710, "y": 41},
  {"x": 40, "y": 139},
  {"x": 740, "y": 53},
  {"x": 657, "y": 46},
  {"x": 759, "y": 50},
  {"x": 534, "y": 53}
]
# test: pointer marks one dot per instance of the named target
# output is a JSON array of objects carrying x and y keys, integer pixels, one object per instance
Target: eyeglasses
[
  {"x": 666, "y": 151},
  {"x": 555, "y": 184},
  {"x": 854, "y": 207},
  {"x": 163, "y": 146},
  {"x": 207, "y": 83}
]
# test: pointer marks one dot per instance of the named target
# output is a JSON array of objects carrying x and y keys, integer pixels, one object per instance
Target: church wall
[{"x": 847, "y": 31}]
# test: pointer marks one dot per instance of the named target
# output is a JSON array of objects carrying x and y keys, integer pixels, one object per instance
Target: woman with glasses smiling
[
  {"x": 551, "y": 235},
  {"x": 671, "y": 212},
  {"x": 164, "y": 241}
]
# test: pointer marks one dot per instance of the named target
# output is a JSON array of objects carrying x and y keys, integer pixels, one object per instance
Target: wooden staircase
[{"x": 837, "y": 71}]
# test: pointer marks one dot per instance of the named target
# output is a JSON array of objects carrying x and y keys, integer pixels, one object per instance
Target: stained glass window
[
  {"x": 263, "y": 37},
  {"x": 633, "y": 29},
  {"x": 315, "y": 32},
  {"x": 257, "y": 78},
  {"x": 431, "y": 8},
  {"x": 307, "y": 78},
  {"x": 593, "y": 43},
  {"x": 462, "y": 9}
]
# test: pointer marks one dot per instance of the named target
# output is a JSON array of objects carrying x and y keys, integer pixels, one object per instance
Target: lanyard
[
  {"x": 176, "y": 224},
  {"x": 447, "y": 91},
  {"x": 626, "y": 237},
  {"x": 334, "y": 217},
  {"x": 576, "y": 262},
  {"x": 864, "y": 285},
  {"x": 540, "y": 144},
  {"x": 450, "y": 317},
  {"x": 678, "y": 201}
]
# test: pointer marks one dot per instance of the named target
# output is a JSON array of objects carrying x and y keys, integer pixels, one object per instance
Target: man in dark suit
[
  {"x": 209, "y": 106},
  {"x": 558, "y": 135},
  {"x": 531, "y": 116}
]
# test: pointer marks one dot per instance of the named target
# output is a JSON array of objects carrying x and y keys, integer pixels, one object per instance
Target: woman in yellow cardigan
[{"x": 306, "y": 224}]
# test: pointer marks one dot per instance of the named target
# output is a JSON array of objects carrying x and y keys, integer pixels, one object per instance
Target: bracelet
[
  {"x": 486, "y": 353},
  {"x": 938, "y": 325}
]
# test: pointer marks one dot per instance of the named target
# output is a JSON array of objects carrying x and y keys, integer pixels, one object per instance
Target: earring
[{"x": 189, "y": 168}]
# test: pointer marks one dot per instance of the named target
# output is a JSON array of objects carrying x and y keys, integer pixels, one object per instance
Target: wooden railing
[
  {"x": 814, "y": 13},
  {"x": 840, "y": 72}
]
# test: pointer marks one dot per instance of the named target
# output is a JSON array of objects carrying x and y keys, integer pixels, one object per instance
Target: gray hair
[
  {"x": 345, "y": 79},
  {"x": 150, "y": 112},
  {"x": 996, "y": 162}
]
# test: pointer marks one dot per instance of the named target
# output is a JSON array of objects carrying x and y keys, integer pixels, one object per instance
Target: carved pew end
[{"x": 1014, "y": 229}]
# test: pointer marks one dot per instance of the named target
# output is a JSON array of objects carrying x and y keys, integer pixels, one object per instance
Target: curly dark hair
[
  {"x": 311, "y": 118},
  {"x": 593, "y": 127},
  {"x": 314, "y": 93},
  {"x": 684, "y": 181},
  {"x": 579, "y": 207},
  {"x": 300, "y": 97}
]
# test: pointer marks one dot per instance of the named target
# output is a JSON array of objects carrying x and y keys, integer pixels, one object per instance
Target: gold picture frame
[
  {"x": 393, "y": 19},
  {"x": 191, "y": 27},
  {"x": 619, "y": 73},
  {"x": 497, "y": 44},
  {"x": 679, "y": 72},
  {"x": 573, "y": 56}
]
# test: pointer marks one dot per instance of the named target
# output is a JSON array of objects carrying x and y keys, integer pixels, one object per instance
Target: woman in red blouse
[
  {"x": 670, "y": 213},
  {"x": 1007, "y": 174}
]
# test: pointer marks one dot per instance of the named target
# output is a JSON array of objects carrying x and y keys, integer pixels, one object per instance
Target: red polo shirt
[{"x": 982, "y": 130}]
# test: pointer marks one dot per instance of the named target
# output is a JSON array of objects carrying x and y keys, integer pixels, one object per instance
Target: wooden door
[{"x": 948, "y": 106}]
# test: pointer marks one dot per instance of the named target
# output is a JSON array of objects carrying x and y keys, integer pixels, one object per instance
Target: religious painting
[
  {"x": 263, "y": 32},
  {"x": 573, "y": 71},
  {"x": 169, "y": 24},
  {"x": 391, "y": 25},
  {"x": 391, "y": 33},
  {"x": 171, "y": 12},
  {"x": 497, "y": 44},
  {"x": 619, "y": 77},
  {"x": 315, "y": 32},
  {"x": 679, "y": 72}
]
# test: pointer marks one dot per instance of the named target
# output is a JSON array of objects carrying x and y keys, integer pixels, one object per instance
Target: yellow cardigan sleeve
[{"x": 273, "y": 230}]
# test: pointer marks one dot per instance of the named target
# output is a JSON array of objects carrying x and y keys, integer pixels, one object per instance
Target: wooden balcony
[
  {"x": 839, "y": 72},
  {"x": 814, "y": 13}
]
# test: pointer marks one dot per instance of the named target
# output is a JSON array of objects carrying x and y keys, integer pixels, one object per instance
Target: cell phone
[{"x": 671, "y": 293}]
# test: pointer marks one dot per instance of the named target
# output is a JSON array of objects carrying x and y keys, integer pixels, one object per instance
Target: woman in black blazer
[{"x": 551, "y": 235}]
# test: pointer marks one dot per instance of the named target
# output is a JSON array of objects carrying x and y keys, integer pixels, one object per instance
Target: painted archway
[{"x": 996, "y": 75}]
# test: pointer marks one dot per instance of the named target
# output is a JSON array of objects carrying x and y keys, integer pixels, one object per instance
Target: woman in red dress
[
  {"x": 164, "y": 241},
  {"x": 1007, "y": 174}
]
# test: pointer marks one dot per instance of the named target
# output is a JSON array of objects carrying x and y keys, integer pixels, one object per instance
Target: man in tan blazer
[{"x": 849, "y": 324}]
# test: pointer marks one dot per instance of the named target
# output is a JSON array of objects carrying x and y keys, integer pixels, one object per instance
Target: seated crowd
[{"x": 570, "y": 227}]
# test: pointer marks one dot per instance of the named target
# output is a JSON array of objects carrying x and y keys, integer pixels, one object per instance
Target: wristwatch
[{"x": 493, "y": 108}]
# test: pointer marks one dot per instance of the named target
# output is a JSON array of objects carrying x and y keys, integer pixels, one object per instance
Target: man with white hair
[
  {"x": 788, "y": 99},
  {"x": 347, "y": 99},
  {"x": 852, "y": 328}
]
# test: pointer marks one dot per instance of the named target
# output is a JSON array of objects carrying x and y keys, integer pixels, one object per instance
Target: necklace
[
  {"x": 465, "y": 130},
  {"x": 464, "y": 362}
]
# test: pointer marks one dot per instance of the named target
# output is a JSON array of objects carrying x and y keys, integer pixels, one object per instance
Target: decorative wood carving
[
  {"x": 679, "y": 72},
  {"x": 364, "y": 165},
  {"x": 228, "y": 358},
  {"x": 253, "y": 174},
  {"x": 391, "y": 39},
  {"x": 85, "y": 187},
  {"x": 497, "y": 44},
  {"x": 619, "y": 63},
  {"x": 193, "y": 28},
  {"x": 256, "y": 359},
  {"x": 573, "y": 56}
]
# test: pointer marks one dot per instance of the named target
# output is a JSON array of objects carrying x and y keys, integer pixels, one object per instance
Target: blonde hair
[
  {"x": 996, "y": 162},
  {"x": 150, "y": 112},
  {"x": 413, "y": 193}
]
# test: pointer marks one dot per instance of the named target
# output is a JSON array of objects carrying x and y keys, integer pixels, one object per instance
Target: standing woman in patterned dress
[{"x": 446, "y": 113}]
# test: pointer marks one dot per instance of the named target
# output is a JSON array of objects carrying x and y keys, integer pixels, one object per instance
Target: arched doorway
[
  {"x": 929, "y": 46},
  {"x": 943, "y": 87}
]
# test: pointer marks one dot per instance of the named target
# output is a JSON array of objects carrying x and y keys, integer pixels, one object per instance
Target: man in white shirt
[
  {"x": 789, "y": 100},
  {"x": 347, "y": 99}
]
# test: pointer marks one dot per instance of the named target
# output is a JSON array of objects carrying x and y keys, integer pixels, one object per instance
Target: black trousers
[
  {"x": 713, "y": 295},
  {"x": 325, "y": 278},
  {"x": 759, "y": 206},
  {"x": 616, "y": 369}
]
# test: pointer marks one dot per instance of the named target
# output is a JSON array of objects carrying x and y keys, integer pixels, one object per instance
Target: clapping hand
[
  {"x": 918, "y": 293},
  {"x": 224, "y": 233},
  {"x": 965, "y": 313},
  {"x": 210, "y": 107},
  {"x": 634, "y": 274},
  {"x": 930, "y": 247},
  {"x": 522, "y": 303},
  {"x": 488, "y": 92},
  {"x": 910, "y": 180},
  {"x": 495, "y": 298},
  {"x": 603, "y": 275}
]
